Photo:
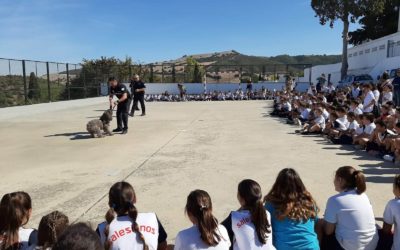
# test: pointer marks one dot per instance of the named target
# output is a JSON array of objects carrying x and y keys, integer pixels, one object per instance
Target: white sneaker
[{"x": 388, "y": 158}]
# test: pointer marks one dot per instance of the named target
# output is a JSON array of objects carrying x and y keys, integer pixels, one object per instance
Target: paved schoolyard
[{"x": 177, "y": 148}]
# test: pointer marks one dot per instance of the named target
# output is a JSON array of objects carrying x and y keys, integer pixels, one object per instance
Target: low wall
[{"x": 198, "y": 88}]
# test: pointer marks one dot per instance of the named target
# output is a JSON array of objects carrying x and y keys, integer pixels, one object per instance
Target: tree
[
  {"x": 173, "y": 73},
  {"x": 194, "y": 71},
  {"x": 34, "y": 88},
  {"x": 347, "y": 11},
  {"x": 95, "y": 72},
  {"x": 377, "y": 25}
]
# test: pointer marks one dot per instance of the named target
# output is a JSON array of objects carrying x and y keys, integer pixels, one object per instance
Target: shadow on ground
[
  {"x": 73, "y": 136},
  {"x": 378, "y": 172}
]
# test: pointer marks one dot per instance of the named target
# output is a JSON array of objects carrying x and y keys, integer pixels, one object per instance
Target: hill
[{"x": 235, "y": 58}]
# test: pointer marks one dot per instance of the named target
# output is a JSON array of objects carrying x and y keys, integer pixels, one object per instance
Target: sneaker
[
  {"x": 124, "y": 132},
  {"x": 389, "y": 158},
  {"x": 298, "y": 131},
  {"x": 131, "y": 114},
  {"x": 117, "y": 130},
  {"x": 305, "y": 133},
  {"x": 143, "y": 114}
]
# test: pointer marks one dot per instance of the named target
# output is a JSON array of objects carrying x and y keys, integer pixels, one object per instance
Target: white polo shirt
[
  {"x": 320, "y": 120},
  {"x": 190, "y": 239},
  {"x": 355, "y": 221},
  {"x": 392, "y": 216},
  {"x": 343, "y": 122},
  {"x": 354, "y": 125},
  {"x": 370, "y": 97},
  {"x": 369, "y": 129}
]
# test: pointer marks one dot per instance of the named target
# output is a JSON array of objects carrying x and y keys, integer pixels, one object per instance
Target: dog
[{"x": 95, "y": 127}]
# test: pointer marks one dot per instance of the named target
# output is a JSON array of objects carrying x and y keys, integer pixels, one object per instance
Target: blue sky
[{"x": 156, "y": 30}]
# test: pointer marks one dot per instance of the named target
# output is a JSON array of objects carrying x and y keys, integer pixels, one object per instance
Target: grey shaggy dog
[{"x": 95, "y": 127}]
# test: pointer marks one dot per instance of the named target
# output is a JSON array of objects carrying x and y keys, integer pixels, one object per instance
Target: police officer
[
  {"x": 122, "y": 93},
  {"x": 138, "y": 89}
]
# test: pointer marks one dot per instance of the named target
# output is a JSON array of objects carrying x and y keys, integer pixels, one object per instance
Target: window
[
  {"x": 367, "y": 51},
  {"x": 382, "y": 47},
  {"x": 355, "y": 54},
  {"x": 350, "y": 55},
  {"x": 374, "y": 49},
  {"x": 361, "y": 52}
]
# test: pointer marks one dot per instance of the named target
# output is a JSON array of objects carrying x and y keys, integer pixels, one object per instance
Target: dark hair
[
  {"x": 396, "y": 181},
  {"x": 351, "y": 114},
  {"x": 381, "y": 123},
  {"x": 112, "y": 78},
  {"x": 199, "y": 206},
  {"x": 369, "y": 116},
  {"x": 51, "y": 226},
  {"x": 250, "y": 192},
  {"x": 353, "y": 179},
  {"x": 290, "y": 197},
  {"x": 341, "y": 110},
  {"x": 121, "y": 199},
  {"x": 77, "y": 237},
  {"x": 14, "y": 209},
  {"x": 390, "y": 104},
  {"x": 398, "y": 125}
]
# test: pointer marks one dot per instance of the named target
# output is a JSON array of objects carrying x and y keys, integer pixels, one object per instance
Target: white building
[{"x": 372, "y": 57}]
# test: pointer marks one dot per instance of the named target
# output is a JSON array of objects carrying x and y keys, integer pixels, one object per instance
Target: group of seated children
[
  {"x": 286, "y": 218},
  {"x": 361, "y": 115},
  {"x": 237, "y": 95}
]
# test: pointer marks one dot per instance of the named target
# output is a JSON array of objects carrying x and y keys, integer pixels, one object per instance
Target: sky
[{"x": 158, "y": 30}]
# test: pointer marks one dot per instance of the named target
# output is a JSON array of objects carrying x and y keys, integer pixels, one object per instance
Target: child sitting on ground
[
  {"x": 15, "y": 212},
  {"x": 51, "y": 226},
  {"x": 365, "y": 136},
  {"x": 391, "y": 216},
  {"x": 376, "y": 146},
  {"x": 317, "y": 126},
  {"x": 346, "y": 137},
  {"x": 341, "y": 123}
]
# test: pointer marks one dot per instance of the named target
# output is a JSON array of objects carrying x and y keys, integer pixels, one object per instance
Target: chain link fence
[{"x": 24, "y": 82}]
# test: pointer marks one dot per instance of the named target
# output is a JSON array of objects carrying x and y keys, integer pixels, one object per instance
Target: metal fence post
[
  {"x": 162, "y": 73},
  {"x": 48, "y": 81},
  {"x": 84, "y": 83},
  {"x": 68, "y": 87},
  {"x": 25, "y": 87}
]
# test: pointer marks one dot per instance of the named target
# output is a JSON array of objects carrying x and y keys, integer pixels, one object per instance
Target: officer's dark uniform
[
  {"x": 123, "y": 107},
  {"x": 138, "y": 96}
]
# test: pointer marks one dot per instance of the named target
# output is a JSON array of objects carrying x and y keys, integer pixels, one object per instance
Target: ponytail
[
  {"x": 121, "y": 202},
  {"x": 260, "y": 221},
  {"x": 250, "y": 192},
  {"x": 353, "y": 179},
  {"x": 199, "y": 206},
  {"x": 14, "y": 210},
  {"x": 133, "y": 213},
  {"x": 359, "y": 180}
]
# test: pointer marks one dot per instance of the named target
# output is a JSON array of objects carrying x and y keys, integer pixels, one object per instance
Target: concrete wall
[{"x": 198, "y": 88}]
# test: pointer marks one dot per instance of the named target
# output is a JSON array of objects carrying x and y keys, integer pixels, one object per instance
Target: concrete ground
[{"x": 177, "y": 148}]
